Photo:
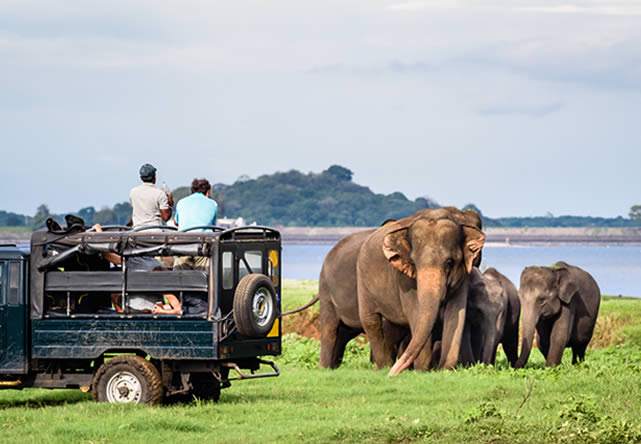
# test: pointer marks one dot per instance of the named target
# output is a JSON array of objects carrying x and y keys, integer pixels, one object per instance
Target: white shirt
[{"x": 146, "y": 202}]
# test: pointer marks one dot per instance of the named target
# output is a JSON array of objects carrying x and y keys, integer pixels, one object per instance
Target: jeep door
[
  {"x": 3, "y": 311},
  {"x": 13, "y": 317}
]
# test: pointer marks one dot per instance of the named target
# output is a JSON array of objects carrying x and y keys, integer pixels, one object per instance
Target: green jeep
[{"x": 59, "y": 327}]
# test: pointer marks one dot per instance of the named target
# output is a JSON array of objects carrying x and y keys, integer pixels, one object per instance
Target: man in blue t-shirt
[{"x": 195, "y": 210}]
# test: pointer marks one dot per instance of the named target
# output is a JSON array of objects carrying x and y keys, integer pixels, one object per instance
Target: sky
[{"x": 523, "y": 108}]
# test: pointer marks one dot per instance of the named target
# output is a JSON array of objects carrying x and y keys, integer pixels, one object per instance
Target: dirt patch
[{"x": 305, "y": 323}]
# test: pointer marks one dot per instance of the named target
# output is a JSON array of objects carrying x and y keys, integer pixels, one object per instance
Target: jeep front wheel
[
  {"x": 254, "y": 305},
  {"x": 127, "y": 379}
]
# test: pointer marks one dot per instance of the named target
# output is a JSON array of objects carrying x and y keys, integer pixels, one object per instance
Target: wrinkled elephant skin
[{"x": 406, "y": 271}]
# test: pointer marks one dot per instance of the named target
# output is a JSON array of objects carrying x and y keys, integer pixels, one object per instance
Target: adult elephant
[
  {"x": 493, "y": 310},
  {"x": 339, "y": 313},
  {"x": 407, "y": 271},
  {"x": 561, "y": 302}
]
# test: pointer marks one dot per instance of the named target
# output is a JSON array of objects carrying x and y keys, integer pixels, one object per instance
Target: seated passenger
[
  {"x": 143, "y": 303},
  {"x": 134, "y": 263},
  {"x": 193, "y": 305},
  {"x": 149, "y": 303}
]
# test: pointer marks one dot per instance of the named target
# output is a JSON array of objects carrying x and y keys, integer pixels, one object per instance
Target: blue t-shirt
[{"x": 194, "y": 210}]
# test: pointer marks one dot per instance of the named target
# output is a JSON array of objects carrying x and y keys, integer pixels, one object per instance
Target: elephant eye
[{"x": 449, "y": 264}]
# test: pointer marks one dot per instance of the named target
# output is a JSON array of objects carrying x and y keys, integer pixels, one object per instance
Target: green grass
[
  {"x": 597, "y": 401},
  {"x": 297, "y": 293}
]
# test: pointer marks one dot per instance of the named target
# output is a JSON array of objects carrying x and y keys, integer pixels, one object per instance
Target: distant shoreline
[{"x": 495, "y": 237}]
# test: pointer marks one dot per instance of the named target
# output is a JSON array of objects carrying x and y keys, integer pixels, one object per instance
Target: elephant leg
[
  {"x": 510, "y": 343},
  {"x": 453, "y": 325},
  {"x": 578, "y": 353},
  {"x": 381, "y": 351},
  {"x": 543, "y": 343},
  {"x": 466, "y": 355},
  {"x": 329, "y": 325},
  {"x": 344, "y": 334},
  {"x": 559, "y": 336},
  {"x": 396, "y": 338}
]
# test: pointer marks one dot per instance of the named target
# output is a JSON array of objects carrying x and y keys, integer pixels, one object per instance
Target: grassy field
[{"x": 597, "y": 401}]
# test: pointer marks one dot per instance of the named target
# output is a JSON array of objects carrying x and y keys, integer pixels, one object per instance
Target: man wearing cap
[{"x": 151, "y": 206}]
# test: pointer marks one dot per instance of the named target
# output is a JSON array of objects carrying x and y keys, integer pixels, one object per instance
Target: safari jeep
[{"x": 59, "y": 327}]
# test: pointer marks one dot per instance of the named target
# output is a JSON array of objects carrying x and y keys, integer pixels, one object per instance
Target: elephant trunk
[
  {"x": 489, "y": 344},
  {"x": 529, "y": 323},
  {"x": 431, "y": 290}
]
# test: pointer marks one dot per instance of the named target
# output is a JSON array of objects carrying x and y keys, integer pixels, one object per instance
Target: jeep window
[
  {"x": 253, "y": 260},
  {"x": 14, "y": 283},
  {"x": 228, "y": 270}
]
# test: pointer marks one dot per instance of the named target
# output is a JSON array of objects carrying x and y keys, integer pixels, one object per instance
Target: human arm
[
  {"x": 174, "y": 303},
  {"x": 111, "y": 257},
  {"x": 166, "y": 204}
]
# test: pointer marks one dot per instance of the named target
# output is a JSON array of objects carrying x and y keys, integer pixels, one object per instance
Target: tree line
[{"x": 329, "y": 198}]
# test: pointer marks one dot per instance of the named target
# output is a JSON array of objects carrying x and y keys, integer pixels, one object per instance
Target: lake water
[{"x": 617, "y": 269}]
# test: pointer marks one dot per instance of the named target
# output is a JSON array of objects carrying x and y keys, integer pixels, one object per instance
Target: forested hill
[{"x": 329, "y": 198}]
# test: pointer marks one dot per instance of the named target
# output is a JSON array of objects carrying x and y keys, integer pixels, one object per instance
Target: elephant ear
[
  {"x": 567, "y": 288},
  {"x": 397, "y": 250},
  {"x": 474, "y": 241}
]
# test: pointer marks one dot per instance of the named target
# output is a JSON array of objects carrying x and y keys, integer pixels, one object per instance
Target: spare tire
[{"x": 255, "y": 305}]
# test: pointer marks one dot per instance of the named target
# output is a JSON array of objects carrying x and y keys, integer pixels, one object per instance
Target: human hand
[{"x": 97, "y": 228}]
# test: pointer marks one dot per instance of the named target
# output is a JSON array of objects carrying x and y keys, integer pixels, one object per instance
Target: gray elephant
[
  {"x": 562, "y": 303},
  {"x": 407, "y": 272},
  {"x": 339, "y": 313},
  {"x": 493, "y": 310}
]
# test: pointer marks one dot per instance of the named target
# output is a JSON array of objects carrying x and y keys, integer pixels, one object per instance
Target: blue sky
[{"x": 521, "y": 107}]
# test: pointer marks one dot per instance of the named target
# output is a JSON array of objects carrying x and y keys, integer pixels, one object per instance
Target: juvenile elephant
[
  {"x": 407, "y": 271},
  {"x": 561, "y": 302},
  {"x": 493, "y": 310}
]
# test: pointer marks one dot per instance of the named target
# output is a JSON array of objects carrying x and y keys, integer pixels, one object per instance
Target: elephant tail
[{"x": 304, "y": 307}]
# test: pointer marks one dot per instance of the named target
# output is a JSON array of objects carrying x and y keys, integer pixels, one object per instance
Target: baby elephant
[
  {"x": 562, "y": 303},
  {"x": 493, "y": 310}
]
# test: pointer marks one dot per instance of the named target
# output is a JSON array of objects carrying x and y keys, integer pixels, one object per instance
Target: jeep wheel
[
  {"x": 127, "y": 379},
  {"x": 254, "y": 305}
]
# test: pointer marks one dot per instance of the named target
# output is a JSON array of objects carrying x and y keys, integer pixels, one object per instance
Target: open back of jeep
[{"x": 59, "y": 327}]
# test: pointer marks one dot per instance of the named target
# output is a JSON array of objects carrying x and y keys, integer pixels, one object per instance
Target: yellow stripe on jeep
[{"x": 274, "y": 331}]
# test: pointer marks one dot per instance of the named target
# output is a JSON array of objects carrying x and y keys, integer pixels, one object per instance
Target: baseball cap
[{"x": 147, "y": 171}]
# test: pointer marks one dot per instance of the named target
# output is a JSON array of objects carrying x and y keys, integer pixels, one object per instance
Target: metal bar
[
  {"x": 68, "y": 303},
  {"x": 123, "y": 261},
  {"x": 211, "y": 289},
  {"x": 243, "y": 375}
]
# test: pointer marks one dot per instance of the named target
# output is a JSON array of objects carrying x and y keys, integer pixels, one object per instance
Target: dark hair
[
  {"x": 148, "y": 179},
  {"x": 200, "y": 186}
]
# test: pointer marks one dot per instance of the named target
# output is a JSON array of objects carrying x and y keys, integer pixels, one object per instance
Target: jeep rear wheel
[
  {"x": 127, "y": 379},
  {"x": 254, "y": 305}
]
